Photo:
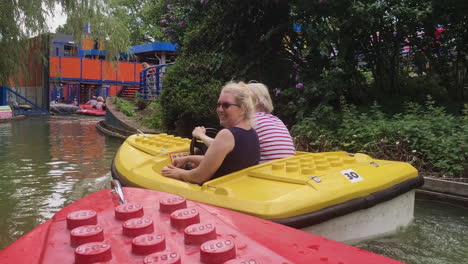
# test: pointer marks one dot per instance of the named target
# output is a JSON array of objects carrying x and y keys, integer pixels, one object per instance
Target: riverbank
[
  {"x": 118, "y": 125},
  {"x": 452, "y": 192}
]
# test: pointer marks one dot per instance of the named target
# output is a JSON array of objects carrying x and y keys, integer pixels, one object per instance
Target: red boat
[
  {"x": 89, "y": 110},
  {"x": 133, "y": 225}
]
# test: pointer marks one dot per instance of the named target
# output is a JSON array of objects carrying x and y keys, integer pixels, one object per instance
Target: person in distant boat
[
  {"x": 275, "y": 140},
  {"x": 234, "y": 148},
  {"x": 92, "y": 101},
  {"x": 100, "y": 103}
]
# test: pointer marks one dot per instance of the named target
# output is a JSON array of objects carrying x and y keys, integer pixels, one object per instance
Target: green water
[
  {"x": 47, "y": 163},
  {"x": 437, "y": 235}
]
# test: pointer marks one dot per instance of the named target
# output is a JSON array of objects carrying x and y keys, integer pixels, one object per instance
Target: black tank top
[{"x": 246, "y": 152}]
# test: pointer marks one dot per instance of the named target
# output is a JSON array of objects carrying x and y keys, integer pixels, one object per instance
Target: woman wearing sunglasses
[
  {"x": 275, "y": 140},
  {"x": 234, "y": 148}
]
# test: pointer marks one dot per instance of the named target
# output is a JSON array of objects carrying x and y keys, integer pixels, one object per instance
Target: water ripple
[
  {"x": 437, "y": 235},
  {"x": 47, "y": 163}
]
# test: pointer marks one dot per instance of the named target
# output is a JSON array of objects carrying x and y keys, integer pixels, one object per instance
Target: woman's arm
[
  {"x": 214, "y": 157},
  {"x": 194, "y": 159},
  {"x": 200, "y": 133}
]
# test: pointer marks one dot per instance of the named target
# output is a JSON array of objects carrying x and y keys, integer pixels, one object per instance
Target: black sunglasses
[{"x": 225, "y": 106}]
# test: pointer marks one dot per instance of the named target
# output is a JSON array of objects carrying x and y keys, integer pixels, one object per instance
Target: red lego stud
[
  {"x": 217, "y": 251},
  {"x": 128, "y": 211},
  {"x": 197, "y": 234},
  {"x": 86, "y": 234},
  {"x": 185, "y": 217},
  {"x": 172, "y": 203},
  {"x": 162, "y": 258},
  {"x": 93, "y": 252},
  {"x": 80, "y": 218},
  {"x": 148, "y": 243},
  {"x": 138, "y": 226}
]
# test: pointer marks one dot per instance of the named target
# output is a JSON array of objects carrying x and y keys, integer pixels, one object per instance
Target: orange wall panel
[
  {"x": 126, "y": 72},
  {"x": 91, "y": 69},
  {"x": 109, "y": 71},
  {"x": 71, "y": 67}
]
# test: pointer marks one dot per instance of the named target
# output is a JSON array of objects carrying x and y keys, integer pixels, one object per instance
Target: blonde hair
[
  {"x": 261, "y": 97},
  {"x": 241, "y": 94}
]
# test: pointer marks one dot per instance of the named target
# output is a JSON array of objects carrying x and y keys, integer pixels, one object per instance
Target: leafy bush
[
  {"x": 426, "y": 136},
  {"x": 315, "y": 132},
  {"x": 151, "y": 115},
  {"x": 190, "y": 94},
  {"x": 124, "y": 106}
]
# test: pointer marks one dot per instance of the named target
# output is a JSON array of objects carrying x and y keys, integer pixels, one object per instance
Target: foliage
[
  {"x": 315, "y": 132},
  {"x": 148, "y": 116},
  {"x": 151, "y": 116},
  {"x": 355, "y": 49},
  {"x": 124, "y": 106},
  {"x": 426, "y": 136},
  {"x": 18, "y": 20},
  {"x": 220, "y": 41},
  {"x": 343, "y": 48},
  {"x": 103, "y": 24},
  {"x": 190, "y": 93},
  {"x": 138, "y": 18}
]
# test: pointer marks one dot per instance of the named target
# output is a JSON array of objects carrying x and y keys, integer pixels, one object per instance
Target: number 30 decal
[{"x": 351, "y": 175}]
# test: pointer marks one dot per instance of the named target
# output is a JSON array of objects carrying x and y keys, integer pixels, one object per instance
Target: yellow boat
[{"x": 300, "y": 191}]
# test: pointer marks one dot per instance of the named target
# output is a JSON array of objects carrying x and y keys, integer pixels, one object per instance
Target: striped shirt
[{"x": 274, "y": 137}]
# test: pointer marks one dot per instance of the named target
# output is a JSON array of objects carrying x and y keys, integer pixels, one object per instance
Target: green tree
[
  {"x": 353, "y": 49},
  {"x": 137, "y": 17},
  {"x": 66, "y": 28},
  {"x": 451, "y": 66},
  {"x": 344, "y": 48},
  {"x": 340, "y": 40},
  {"x": 219, "y": 42}
]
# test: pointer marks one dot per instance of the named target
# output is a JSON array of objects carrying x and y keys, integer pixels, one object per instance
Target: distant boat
[
  {"x": 131, "y": 225},
  {"x": 89, "y": 110}
]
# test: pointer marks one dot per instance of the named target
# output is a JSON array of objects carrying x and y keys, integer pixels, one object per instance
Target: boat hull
[
  {"x": 382, "y": 219},
  {"x": 86, "y": 109},
  {"x": 300, "y": 191},
  {"x": 92, "y": 112},
  {"x": 253, "y": 239}
]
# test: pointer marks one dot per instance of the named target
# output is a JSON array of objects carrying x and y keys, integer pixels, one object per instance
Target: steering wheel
[{"x": 197, "y": 147}]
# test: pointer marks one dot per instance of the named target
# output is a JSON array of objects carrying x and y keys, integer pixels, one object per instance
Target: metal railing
[
  {"x": 151, "y": 81},
  {"x": 19, "y": 104}
]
